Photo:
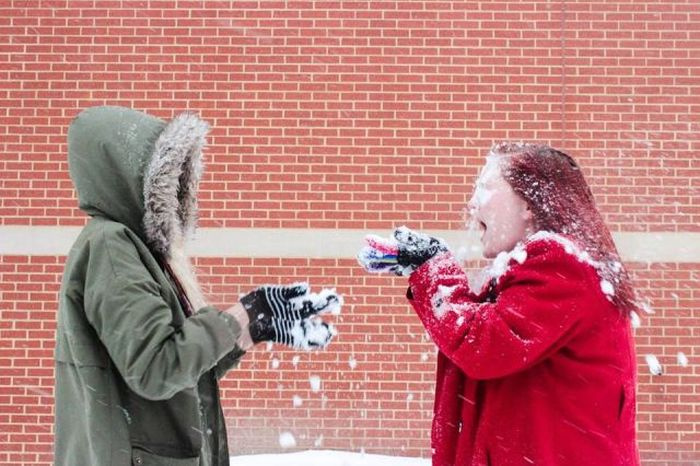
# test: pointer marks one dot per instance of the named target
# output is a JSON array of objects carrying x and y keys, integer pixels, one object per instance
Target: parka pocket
[{"x": 140, "y": 457}]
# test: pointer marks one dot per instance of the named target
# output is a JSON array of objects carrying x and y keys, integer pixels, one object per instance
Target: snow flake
[
  {"x": 297, "y": 401},
  {"x": 275, "y": 363},
  {"x": 654, "y": 365},
  {"x": 352, "y": 362},
  {"x": 635, "y": 320},
  {"x": 315, "y": 382},
  {"x": 646, "y": 307},
  {"x": 682, "y": 359},
  {"x": 287, "y": 440}
]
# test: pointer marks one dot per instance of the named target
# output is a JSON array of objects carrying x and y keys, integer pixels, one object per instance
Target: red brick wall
[{"x": 359, "y": 115}]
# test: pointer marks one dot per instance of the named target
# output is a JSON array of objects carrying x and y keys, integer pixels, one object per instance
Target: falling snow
[
  {"x": 654, "y": 365},
  {"x": 287, "y": 440},
  {"x": 315, "y": 382},
  {"x": 635, "y": 320}
]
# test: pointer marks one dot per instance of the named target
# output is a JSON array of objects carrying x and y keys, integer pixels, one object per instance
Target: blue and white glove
[
  {"x": 287, "y": 314},
  {"x": 400, "y": 254}
]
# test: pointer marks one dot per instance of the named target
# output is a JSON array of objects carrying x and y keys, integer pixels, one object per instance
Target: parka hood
[{"x": 138, "y": 170}]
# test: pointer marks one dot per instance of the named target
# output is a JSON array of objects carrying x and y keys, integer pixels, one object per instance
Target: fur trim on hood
[{"x": 171, "y": 182}]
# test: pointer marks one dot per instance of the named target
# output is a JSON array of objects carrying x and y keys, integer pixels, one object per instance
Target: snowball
[
  {"x": 287, "y": 440},
  {"x": 315, "y": 382},
  {"x": 654, "y": 366},
  {"x": 682, "y": 359}
]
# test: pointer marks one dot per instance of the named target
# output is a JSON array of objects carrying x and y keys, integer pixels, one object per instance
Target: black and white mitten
[
  {"x": 400, "y": 254},
  {"x": 287, "y": 314}
]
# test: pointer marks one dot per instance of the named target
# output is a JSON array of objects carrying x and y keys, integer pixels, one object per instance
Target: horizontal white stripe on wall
[{"x": 326, "y": 243}]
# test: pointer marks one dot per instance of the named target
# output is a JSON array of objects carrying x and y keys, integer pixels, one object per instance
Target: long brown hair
[{"x": 555, "y": 190}]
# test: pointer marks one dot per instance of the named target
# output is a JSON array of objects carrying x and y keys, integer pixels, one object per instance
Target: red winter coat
[{"x": 538, "y": 369}]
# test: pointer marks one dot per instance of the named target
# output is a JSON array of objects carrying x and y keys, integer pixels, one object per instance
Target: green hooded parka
[{"x": 136, "y": 376}]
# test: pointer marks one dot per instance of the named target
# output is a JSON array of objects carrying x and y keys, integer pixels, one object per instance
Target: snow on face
[
  {"x": 502, "y": 215},
  {"x": 489, "y": 172}
]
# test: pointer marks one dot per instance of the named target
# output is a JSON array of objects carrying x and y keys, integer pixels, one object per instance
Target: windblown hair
[{"x": 555, "y": 190}]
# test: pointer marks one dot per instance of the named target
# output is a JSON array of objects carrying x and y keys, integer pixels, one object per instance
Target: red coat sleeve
[{"x": 539, "y": 306}]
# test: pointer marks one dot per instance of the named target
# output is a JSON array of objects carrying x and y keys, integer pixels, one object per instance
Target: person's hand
[
  {"x": 400, "y": 254},
  {"x": 286, "y": 314}
]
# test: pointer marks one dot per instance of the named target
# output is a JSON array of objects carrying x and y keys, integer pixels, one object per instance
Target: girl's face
[{"x": 502, "y": 215}]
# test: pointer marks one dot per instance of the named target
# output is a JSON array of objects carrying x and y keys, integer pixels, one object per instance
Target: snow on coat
[{"x": 537, "y": 368}]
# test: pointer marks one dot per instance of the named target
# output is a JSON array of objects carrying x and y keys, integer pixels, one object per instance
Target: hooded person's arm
[{"x": 123, "y": 303}]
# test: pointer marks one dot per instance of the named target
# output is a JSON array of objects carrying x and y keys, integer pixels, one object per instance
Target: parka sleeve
[
  {"x": 123, "y": 303},
  {"x": 536, "y": 312}
]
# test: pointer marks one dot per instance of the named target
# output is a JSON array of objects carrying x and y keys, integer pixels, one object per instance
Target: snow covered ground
[{"x": 326, "y": 458}]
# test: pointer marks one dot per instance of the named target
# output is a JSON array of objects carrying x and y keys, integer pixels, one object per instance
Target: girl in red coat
[{"x": 538, "y": 365}]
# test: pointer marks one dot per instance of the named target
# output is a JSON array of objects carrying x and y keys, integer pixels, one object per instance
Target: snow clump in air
[
  {"x": 315, "y": 382},
  {"x": 635, "y": 320},
  {"x": 287, "y": 440},
  {"x": 654, "y": 365}
]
